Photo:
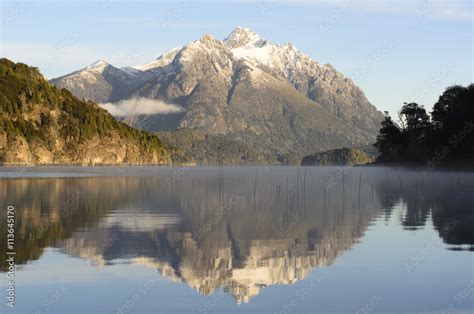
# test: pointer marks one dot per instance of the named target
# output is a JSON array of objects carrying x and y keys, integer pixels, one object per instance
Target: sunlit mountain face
[
  {"x": 243, "y": 87},
  {"x": 236, "y": 229}
]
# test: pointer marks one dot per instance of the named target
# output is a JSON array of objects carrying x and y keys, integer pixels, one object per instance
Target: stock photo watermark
[
  {"x": 458, "y": 298},
  {"x": 312, "y": 282},
  {"x": 10, "y": 255},
  {"x": 18, "y": 9},
  {"x": 434, "y": 79},
  {"x": 174, "y": 15},
  {"x": 424, "y": 252},
  {"x": 52, "y": 299},
  {"x": 370, "y": 306},
  {"x": 453, "y": 142},
  {"x": 128, "y": 305},
  {"x": 337, "y": 15}
]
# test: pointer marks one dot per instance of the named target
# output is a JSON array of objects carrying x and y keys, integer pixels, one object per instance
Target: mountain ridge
[{"x": 220, "y": 82}]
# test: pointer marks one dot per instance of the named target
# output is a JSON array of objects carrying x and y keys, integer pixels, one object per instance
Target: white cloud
[{"x": 140, "y": 106}]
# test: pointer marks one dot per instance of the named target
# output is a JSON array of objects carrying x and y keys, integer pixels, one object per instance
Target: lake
[{"x": 238, "y": 240}]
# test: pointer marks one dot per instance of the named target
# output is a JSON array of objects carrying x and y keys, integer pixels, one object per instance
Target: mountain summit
[
  {"x": 271, "y": 97},
  {"x": 244, "y": 37},
  {"x": 99, "y": 65}
]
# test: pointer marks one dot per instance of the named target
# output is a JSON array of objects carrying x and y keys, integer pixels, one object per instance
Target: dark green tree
[
  {"x": 453, "y": 118},
  {"x": 417, "y": 121},
  {"x": 389, "y": 140},
  {"x": 416, "y": 130},
  {"x": 449, "y": 133}
]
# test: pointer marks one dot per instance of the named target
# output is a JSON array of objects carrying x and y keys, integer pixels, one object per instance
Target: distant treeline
[{"x": 445, "y": 137}]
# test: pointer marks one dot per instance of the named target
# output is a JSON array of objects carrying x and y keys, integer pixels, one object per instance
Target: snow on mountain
[
  {"x": 243, "y": 44},
  {"x": 99, "y": 66},
  {"x": 244, "y": 87},
  {"x": 131, "y": 70},
  {"x": 98, "y": 81},
  {"x": 161, "y": 61},
  {"x": 242, "y": 37},
  {"x": 282, "y": 60},
  {"x": 91, "y": 72},
  {"x": 83, "y": 77}
]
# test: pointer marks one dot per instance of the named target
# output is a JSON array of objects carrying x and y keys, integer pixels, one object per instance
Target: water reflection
[
  {"x": 446, "y": 197},
  {"x": 240, "y": 229}
]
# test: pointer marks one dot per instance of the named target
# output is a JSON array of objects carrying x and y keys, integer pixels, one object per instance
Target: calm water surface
[{"x": 239, "y": 240}]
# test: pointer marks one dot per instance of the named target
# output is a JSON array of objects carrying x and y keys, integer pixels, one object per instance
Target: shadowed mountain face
[
  {"x": 240, "y": 229},
  {"x": 272, "y": 97}
]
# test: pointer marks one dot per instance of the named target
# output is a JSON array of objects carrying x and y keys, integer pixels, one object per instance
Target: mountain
[
  {"x": 274, "y": 98},
  {"x": 100, "y": 82},
  {"x": 41, "y": 124}
]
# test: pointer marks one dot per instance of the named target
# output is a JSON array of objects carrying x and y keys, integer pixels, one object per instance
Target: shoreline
[{"x": 464, "y": 168}]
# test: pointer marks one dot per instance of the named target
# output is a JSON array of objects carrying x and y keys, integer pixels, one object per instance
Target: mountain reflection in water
[{"x": 239, "y": 229}]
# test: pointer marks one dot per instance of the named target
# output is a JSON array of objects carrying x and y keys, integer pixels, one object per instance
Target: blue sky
[{"x": 396, "y": 51}]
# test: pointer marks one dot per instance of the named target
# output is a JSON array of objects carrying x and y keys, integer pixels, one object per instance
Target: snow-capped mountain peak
[
  {"x": 206, "y": 42},
  {"x": 99, "y": 65},
  {"x": 161, "y": 61},
  {"x": 242, "y": 37},
  {"x": 244, "y": 87},
  {"x": 280, "y": 58}
]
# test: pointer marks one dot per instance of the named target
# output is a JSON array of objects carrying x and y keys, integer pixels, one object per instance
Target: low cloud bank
[{"x": 140, "y": 106}]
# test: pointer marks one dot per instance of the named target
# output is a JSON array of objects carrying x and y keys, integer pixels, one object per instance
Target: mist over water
[{"x": 244, "y": 235}]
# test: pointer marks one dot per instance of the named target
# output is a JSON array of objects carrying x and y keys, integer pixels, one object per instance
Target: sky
[{"x": 396, "y": 50}]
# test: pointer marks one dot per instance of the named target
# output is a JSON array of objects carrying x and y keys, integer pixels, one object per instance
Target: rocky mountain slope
[
  {"x": 273, "y": 98},
  {"x": 41, "y": 124},
  {"x": 100, "y": 82}
]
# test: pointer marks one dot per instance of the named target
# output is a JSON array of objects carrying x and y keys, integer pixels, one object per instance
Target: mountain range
[{"x": 273, "y": 98}]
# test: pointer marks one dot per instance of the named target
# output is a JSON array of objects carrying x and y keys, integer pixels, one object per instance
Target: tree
[
  {"x": 416, "y": 132},
  {"x": 445, "y": 106},
  {"x": 416, "y": 119},
  {"x": 420, "y": 139},
  {"x": 389, "y": 140},
  {"x": 453, "y": 118}
]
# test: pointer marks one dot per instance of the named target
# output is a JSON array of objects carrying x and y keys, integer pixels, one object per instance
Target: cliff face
[{"x": 41, "y": 124}]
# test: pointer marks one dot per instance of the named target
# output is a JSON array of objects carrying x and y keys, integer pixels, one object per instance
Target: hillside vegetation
[
  {"x": 42, "y": 124},
  {"x": 444, "y": 138},
  {"x": 207, "y": 149},
  {"x": 338, "y": 157}
]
